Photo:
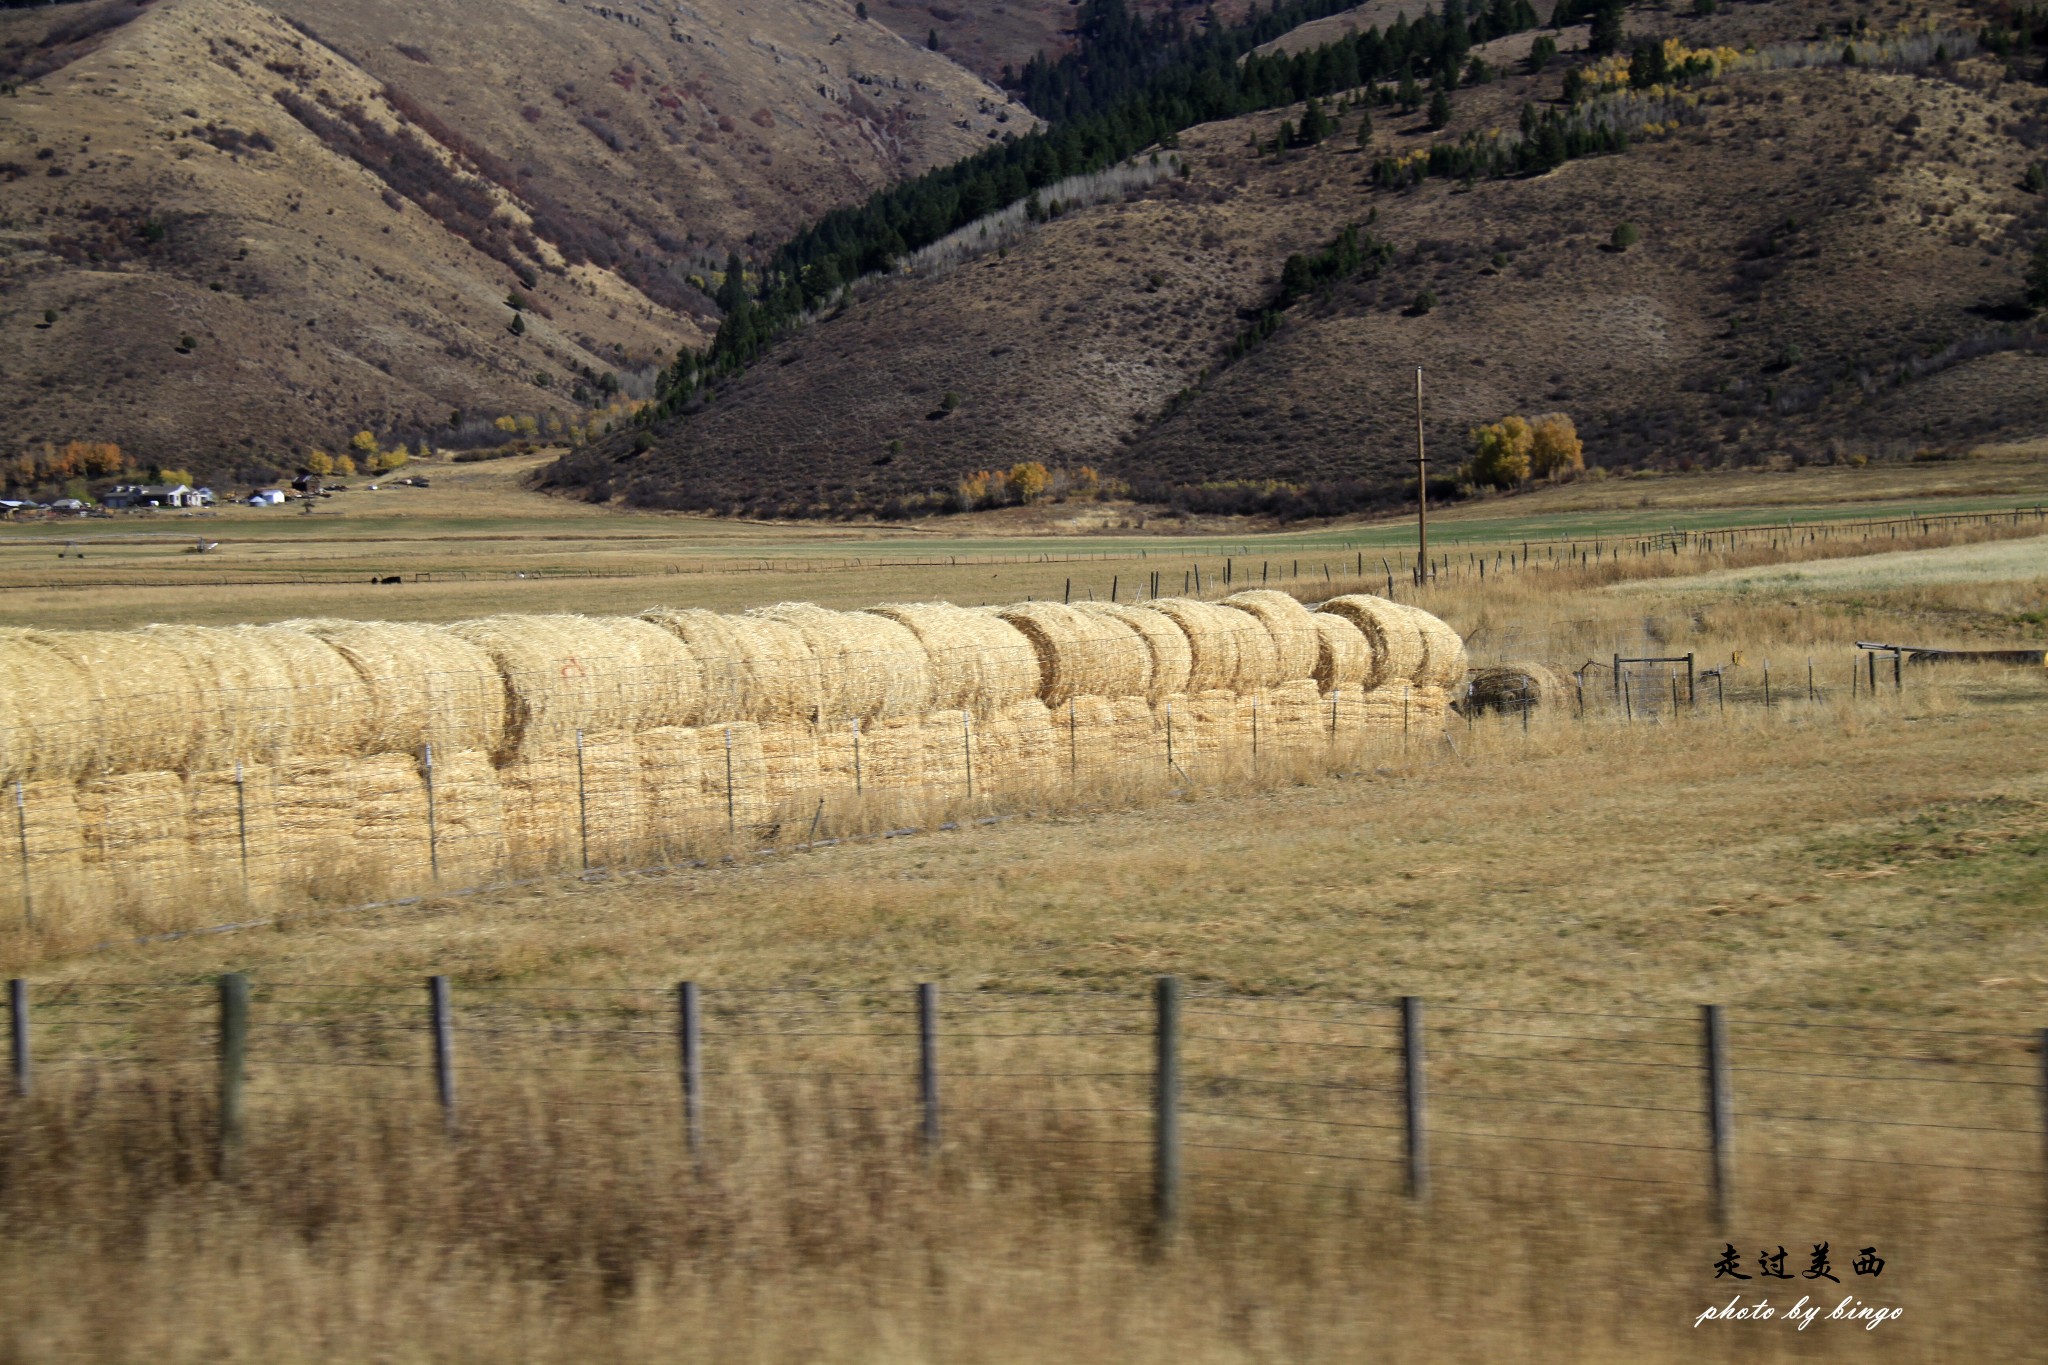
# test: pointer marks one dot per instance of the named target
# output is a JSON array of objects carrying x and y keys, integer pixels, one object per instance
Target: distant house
[
  {"x": 13, "y": 507},
  {"x": 267, "y": 497},
  {"x": 306, "y": 483},
  {"x": 201, "y": 497},
  {"x": 156, "y": 495},
  {"x": 71, "y": 506}
]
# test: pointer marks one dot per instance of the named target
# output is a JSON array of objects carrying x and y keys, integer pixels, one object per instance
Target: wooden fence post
[
  {"x": 17, "y": 1032},
  {"x": 1413, "y": 1097},
  {"x": 1166, "y": 1108},
  {"x": 928, "y": 1064},
  {"x": 443, "y": 1028},
  {"x": 690, "y": 1035},
  {"x": 234, "y": 1057},
  {"x": 1720, "y": 1106}
]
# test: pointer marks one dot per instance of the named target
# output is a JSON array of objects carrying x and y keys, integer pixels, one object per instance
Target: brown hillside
[
  {"x": 335, "y": 222},
  {"x": 1815, "y": 269}
]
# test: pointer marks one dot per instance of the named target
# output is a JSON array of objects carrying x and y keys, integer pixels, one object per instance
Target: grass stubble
[{"x": 1866, "y": 862}]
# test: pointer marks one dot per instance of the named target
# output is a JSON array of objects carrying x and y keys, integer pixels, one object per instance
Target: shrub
[
  {"x": 1029, "y": 480},
  {"x": 1625, "y": 236},
  {"x": 1500, "y": 453},
  {"x": 1555, "y": 450}
]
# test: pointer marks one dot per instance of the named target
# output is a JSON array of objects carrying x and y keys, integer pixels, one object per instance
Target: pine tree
[
  {"x": 932, "y": 40},
  {"x": 1606, "y": 35},
  {"x": 1439, "y": 109},
  {"x": 1365, "y": 128},
  {"x": 1315, "y": 125}
]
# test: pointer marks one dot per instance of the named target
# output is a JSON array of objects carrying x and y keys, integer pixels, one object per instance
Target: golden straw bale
[
  {"x": 948, "y": 741},
  {"x": 1080, "y": 654},
  {"x": 48, "y": 727},
  {"x": 735, "y": 775},
  {"x": 48, "y": 811},
  {"x": 1213, "y": 637},
  {"x": 538, "y": 796},
  {"x": 425, "y": 685},
  {"x": 138, "y": 827},
  {"x": 469, "y": 818},
  {"x": 1343, "y": 654},
  {"x": 1297, "y": 718},
  {"x": 1135, "y": 738},
  {"x": 1171, "y": 657},
  {"x": 1291, "y": 627},
  {"x": 1431, "y": 709},
  {"x": 330, "y": 701},
  {"x": 867, "y": 666},
  {"x": 1392, "y": 709},
  {"x": 390, "y": 834},
  {"x": 673, "y": 790},
  {"x": 1391, "y": 631},
  {"x": 138, "y": 691},
  {"x": 1512, "y": 686},
  {"x": 614, "y": 814},
  {"x": 1443, "y": 651},
  {"x": 591, "y": 673},
  {"x": 751, "y": 668},
  {"x": 1202, "y": 727},
  {"x": 1014, "y": 749},
  {"x": 258, "y": 692},
  {"x": 1087, "y": 729},
  {"x": 228, "y": 809},
  {"x": 839, "y": 749},
  {"x": 979, "y": 662},
  {"x": 789, "y": 755},
  {"x": 892, "y": 754}
]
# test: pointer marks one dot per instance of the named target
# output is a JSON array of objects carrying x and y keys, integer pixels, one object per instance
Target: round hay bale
[
  {"x": 1080, "y": 654},
  {"x": 1291, "y": 626},
  {"x": 469, "y": 818},
  {"x": 750, "y": 668},
  {"x": 137, "y": 826},
  {"x": 673, "y": 788},
  {"x": 234, "y": 811},
  {"x": 260, "y": 692},
  {"x": 789, "y": 761},
  {"x": 891, "y": 755},
  {"x": 48, "y": 731},
  {"x": 948, "y": 750},
  {"x": 48, "y": 820},
  {"x": 330, "y": 702},
  {"x": 735, "y": 772},
  {"x": 1172, "y": 659},
  {"x": 138, "y": 691},
  {"x": 423, "y": 685},
  {"x": 352, "y": 828},
  {"x": 595, "y": 674},
  {"x": 979, "y": 662},
  {"x": 1443, "y": 651},
  {"x": 1512, "y": 686},
  {"x": 1014, "y": 749},
  {"x": 1343, "y": 654},
  {"x": 867, "y": 666},
  {"x": 1213, "y": 637},
  {"x": 1389, "y": 629}
]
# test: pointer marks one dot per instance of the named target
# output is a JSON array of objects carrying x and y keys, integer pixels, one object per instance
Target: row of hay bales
[{"x": 363, "y": 756}]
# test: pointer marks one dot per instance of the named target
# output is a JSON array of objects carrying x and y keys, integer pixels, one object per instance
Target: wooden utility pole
[{"x": 1421, "y": 489}]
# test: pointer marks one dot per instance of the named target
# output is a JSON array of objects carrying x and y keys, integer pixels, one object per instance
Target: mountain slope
[
  {"x": 334, "y": 224},
  {"x": 1828, "y": 263}
]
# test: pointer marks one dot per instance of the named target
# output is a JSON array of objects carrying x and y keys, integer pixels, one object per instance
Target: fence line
[{"x": 1198, "y": 1104}]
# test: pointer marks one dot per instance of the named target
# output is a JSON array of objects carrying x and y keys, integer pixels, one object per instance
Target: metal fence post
[
  {"x": 17, "y": 1032},
  {"x": 730, "y": 820},
  {"x": 858, "y": 787},
  {"x": 242, "y": 823},
  {"x": 1720, "y": 1106},
  {"x": 928, "y": 1063},
  {"x": 443, "y": 1027},
  {"x": 690, "y": 1036},
  {"x": 234, "y": 1057},
  {"x": 433, "y": 832},
  {"x": 583, "y": 803},
  {"x": 28, "y": 899},
  {"x": 1413, "y": 1097},
  {"x": 967, "y": 751},
  {"x": 1166, "y": 1108}
]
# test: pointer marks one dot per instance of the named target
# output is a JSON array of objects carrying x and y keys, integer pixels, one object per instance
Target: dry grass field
[{"x": 1857, "y": 879}]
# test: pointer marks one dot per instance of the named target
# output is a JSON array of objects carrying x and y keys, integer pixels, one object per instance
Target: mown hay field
[{"x": 1848, "y": 862}]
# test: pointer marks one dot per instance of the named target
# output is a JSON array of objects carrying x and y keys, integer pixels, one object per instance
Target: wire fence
[{"x": 1170, "y": 1094}]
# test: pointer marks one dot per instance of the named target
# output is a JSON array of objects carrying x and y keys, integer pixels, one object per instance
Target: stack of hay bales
[{"x": 556, "y": 738}]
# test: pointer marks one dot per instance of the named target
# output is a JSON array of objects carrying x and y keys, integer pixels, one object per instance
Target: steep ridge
[
  {"x": 226, "y": 240},
  {"x": 1828, "y": 264}
]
